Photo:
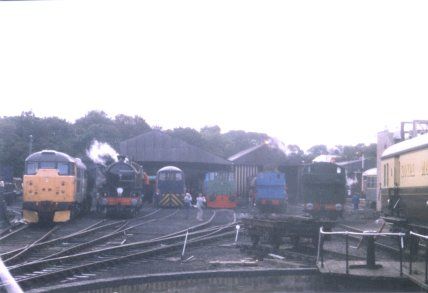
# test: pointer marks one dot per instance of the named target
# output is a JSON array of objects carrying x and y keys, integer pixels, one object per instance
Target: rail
[
  {"x": 414, "y": 244},
  {"x": 370, "y": 235}
]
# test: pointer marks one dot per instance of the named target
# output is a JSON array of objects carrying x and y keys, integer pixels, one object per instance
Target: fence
[{"x": 370, "y": 236}]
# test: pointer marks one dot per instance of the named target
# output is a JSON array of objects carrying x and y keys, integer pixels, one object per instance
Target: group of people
[{"x": 200, "y": 202}]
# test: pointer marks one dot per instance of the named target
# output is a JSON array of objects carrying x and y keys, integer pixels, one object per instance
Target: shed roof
[
  {"x": 259, "y": 155},
  {"x": 157, "y": 146}
]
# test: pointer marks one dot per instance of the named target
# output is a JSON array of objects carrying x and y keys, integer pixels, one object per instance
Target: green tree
[
  {"x": 128, "y": 126},
  {"x": 95, "y": 126}
]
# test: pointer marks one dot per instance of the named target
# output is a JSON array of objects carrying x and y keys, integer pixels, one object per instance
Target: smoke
[
  {"x": 276, "y": 143},
  {"x": 100, "y": 152}
]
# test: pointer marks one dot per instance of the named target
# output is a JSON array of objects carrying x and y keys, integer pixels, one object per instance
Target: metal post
[
  {"x": 401, "y": 255},
  {"x": 411, "y": 253},
  {"x": 184, "y": 245},
  {"x": 319, "y": 245},
  {"x": 347, "y": 252},
  {"x": 371, "y": 259},
  {"x": 322, "y": 251},
  {"x": 237, "y": 233},
  {"x": 426, "y": 262},
  {"x": 30, "y": 145}
]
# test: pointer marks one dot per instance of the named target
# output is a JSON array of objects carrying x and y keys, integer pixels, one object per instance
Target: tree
[
  {"x": 316, "y": 151},
  {"x": 128, "y": 126},
  {"x": 95, "y": 126},
  {"x": 189, "y": 135}
]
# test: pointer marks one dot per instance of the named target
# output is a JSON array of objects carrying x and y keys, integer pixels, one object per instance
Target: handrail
[
  {"x": 365, "y": 233},
  {"x": 370, "y": 246},
  {"x": 419, "y": 235},
  {"x": 413, "y": 251}
]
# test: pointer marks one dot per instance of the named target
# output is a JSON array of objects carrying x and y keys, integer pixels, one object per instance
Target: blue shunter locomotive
[{"x": 170, "y": 187}]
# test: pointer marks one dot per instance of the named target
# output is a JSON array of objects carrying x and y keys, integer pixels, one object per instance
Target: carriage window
[
  {"x": 63, "y": 169},
  {"x": 47, "y": 165},
  {"x": 178, "y": 176},
  {"x": 31, "y": 168},
  {"x": 371, "y": 182}
]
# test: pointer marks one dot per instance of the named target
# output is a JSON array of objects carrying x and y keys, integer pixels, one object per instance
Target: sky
[{"x": 305, "y": 72}]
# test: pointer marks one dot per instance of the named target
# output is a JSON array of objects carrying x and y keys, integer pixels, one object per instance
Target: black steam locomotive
[
  {"x": 324, "y": 189},
  {"x": 122, "y": 191}
]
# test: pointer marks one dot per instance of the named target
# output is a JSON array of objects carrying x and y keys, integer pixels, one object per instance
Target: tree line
[{"x": 20, "y": 133}]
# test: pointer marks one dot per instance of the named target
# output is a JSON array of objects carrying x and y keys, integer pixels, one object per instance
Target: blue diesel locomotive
[
  {"x": 170, "y": 187},
  {"x": 270, "y": 191}
]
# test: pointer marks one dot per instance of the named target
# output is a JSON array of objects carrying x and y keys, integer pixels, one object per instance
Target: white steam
[
  {"x": 99, "y": 152},
  {"x": 276, "y": 143}
]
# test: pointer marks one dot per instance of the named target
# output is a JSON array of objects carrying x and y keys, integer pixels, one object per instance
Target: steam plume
[{"x": 99, "y": 152}]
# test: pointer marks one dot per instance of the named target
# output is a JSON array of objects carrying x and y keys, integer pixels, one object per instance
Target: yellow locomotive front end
[{"x": 52, "y": 189}]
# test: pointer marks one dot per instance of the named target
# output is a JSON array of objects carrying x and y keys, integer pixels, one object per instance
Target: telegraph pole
[{"x": 30, "y": 146}]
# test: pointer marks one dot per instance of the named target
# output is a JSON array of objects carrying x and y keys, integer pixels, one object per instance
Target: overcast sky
[{"x": 306, "y": 72}]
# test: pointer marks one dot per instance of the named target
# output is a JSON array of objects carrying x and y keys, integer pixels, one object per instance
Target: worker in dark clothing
[{"x": 356, "y": 200}]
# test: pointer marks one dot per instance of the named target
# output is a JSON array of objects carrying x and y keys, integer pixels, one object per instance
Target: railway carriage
[
  {"x": 220, "y": 190},
  {"x": 324, "y": 189},
  {"x": 369, "y": 187},
  {"x": 122, "y": 192},
  {"x": 404, "y": 184},
  {"x": 54, "y": 187},
  {"x": 170, "y": 187}
]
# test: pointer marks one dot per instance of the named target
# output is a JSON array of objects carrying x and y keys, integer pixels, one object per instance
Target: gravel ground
[{"x": 223, "y": 252}]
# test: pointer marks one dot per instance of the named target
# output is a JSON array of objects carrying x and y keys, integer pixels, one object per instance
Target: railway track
[
  {"x": 66, "y": 266},
  {"x": 91, "y": 235},
  {"x": 12, "y": 230}
]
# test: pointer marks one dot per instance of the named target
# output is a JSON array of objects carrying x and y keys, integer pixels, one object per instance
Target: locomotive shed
[
  {"x": 156, "y": 149},
  {"x": 220, "y": 264}
]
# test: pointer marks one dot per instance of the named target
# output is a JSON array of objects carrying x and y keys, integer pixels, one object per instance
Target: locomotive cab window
[
  {"x": 31, "y": 168},
  {"x": 178, "y": 176},
  {"x": 47, "y": 165},
  {"x": 63, "y": 169},
  {"x": 339, "y": 171}
]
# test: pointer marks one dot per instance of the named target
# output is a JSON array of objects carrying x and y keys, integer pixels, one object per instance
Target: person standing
[
  {"x": 200, "y": 201},
  {"x": 187, "y": 203},
  {"x": 356, "y": 200}
]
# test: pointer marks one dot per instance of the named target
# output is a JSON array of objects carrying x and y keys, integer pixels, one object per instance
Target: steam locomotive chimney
[{"x": 121, "y": 158}]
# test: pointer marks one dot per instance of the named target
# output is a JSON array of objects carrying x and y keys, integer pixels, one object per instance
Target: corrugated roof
[
  {"x": 244, "y": 153},
  {"x": 260, "y": 155},
  {"x": 157, "y": 146}
]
